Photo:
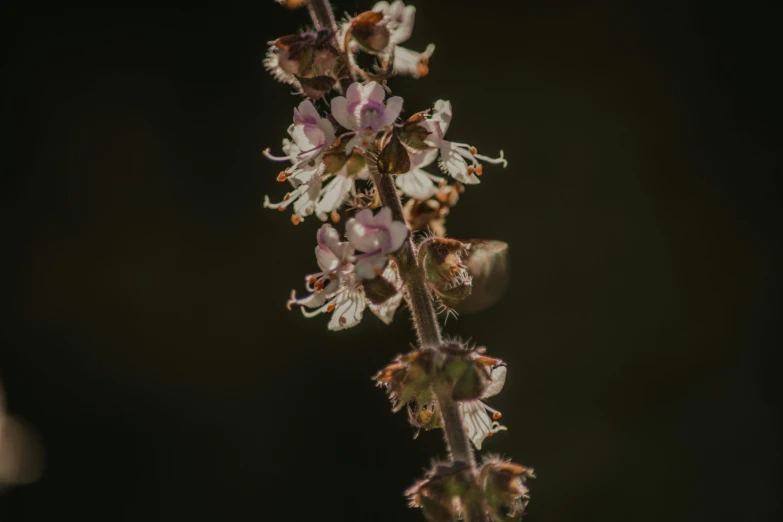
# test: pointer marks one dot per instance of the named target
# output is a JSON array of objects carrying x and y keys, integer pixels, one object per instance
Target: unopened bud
[
  {"x": 441, "y": 260},
  {"x": 440, "y": 495},
  {"x": 413, "y": 133},
  {"x": 407, "y": 379},
  {"x": 394, "y": 158},
  {"x": 369, "y": 32},
  {"x": 504, "y": 487}
]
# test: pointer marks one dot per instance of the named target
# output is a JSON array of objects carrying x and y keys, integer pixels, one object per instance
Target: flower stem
[
  {"x": 323, "y": 18},
  {"x": 428, "y": 331}
]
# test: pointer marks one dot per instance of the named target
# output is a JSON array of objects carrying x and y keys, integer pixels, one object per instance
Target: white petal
[
  {"x": 305, "y": 203},
  {"x": 393, "y": 109},
  {"x": 497, "y": 380},
  {"x": 333, "y": 195},
  {"x": 404, "y": 30},
  {"x": 408, "y": 62},
  {"x": 477, "y": 422},
  {"x": 354, "y": 92},
  {"x": 306, "y": 113},
  {"x": 398, "y": 232},
  {"x": 340, "y": 112},
  {"x": 357, "y": 233},
  {"x": 370, "y": 266},
  {"x": 348, "y": 310},
  {"x": 424, "y": 158},
  {"x": 373, "y": 91},
  {"x": 452, "y": 162},
  {"x": 442, "y": 114},
  {"x": 416, "y": 184}
]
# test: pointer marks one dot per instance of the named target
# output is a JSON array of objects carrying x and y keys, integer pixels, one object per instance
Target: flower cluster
[
  {"x": 349, "y": 270},
  {"x": 329, "y": 154},
  {"x": 473, "y": 376}
]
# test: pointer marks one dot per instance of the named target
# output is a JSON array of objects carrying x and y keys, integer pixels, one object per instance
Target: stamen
[
  {"x": 318, "y": 285},
  {"x": 281, "y": 208},
  {"x": 312, "y": 280},
  {"x": 287, "y": 196},
  {"x": 269, "y": 155},
  {"x": 473, "y": 150},
  {"x": 282, "y": 176},
  {"x": 335, "y": 217},
  {"x": 330, "y": 308},
  {"x": 495, "y": 161},
  {"x": 496, "y": 415},
  {"x": 295, "y": 219},
  {"x": 479, "y": 169}
]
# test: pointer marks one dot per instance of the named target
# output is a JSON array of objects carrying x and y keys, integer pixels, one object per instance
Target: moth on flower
[{"x": 339, "y": 288}]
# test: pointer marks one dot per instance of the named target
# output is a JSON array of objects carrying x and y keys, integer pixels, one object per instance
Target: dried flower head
[{"x": 503, "y": 482}]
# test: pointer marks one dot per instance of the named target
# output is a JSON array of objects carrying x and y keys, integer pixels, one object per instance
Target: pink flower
[{"x": 363, "y": 112}]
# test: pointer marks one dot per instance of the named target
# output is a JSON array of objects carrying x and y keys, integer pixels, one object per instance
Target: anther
[
  {"x": 295, "y": 219},
  {"x": 319, "y": 285},
  {"x": 312, "y": 280},
  {"x": 473, "y": 150},
  {"x": 335, "y": 217},
  {"x": 496, "y": 415},
  {"x": 282, "y": 176},
  {"x": 479, "y": 169},
  {"x": 330, "y": 308}
]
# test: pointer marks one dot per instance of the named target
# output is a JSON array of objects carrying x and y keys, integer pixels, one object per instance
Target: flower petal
[
  {"x": 416, "y": 184},
  {"x": 393, "y": 109},
  {"x": 497, "y": 380},
  {"x": 340, "y": 112},
  {"x": 349, "y": 309},
  {"x": 333, "y": 196}
]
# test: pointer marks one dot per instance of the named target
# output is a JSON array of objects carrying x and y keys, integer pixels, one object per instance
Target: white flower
[
  {"x": 453, "y": 155},
  {"x": 363, "y": 112},
  {"x": 476, "y": 414},
  {"x": 337, "y": 288},
  {"x": 311, "y": 136},
  {"x": 375, "y": 236},
  {"x": 418, "y": 183},
  {"x": 399, "y": 19},
  {"x": 341, "y": 186}
]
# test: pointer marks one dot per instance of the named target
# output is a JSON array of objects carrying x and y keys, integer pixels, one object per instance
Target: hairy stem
[
  {"x": 428, "y": 331},
  {"x": 323, "y": 18}
]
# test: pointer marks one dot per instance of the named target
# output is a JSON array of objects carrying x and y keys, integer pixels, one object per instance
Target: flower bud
[
  {"x": 439, "y": 494},
  {"x": 413, "y": 133},
  {"x": 407, "y": 379},
  {"x": 394, "y": 158},
  {"x": 441, "y": 260},
  {"x": 369, "y": 32},
  {"x": 503, "y": 481}
]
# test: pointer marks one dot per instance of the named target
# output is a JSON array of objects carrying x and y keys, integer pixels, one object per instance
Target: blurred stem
[{"x": 323, "y": 18}]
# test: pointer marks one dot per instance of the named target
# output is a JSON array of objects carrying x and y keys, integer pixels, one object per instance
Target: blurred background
[{"x": 148, "y": 345}]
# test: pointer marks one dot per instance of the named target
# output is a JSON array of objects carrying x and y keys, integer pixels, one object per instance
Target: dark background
[{"x": 147, "y": 338}]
